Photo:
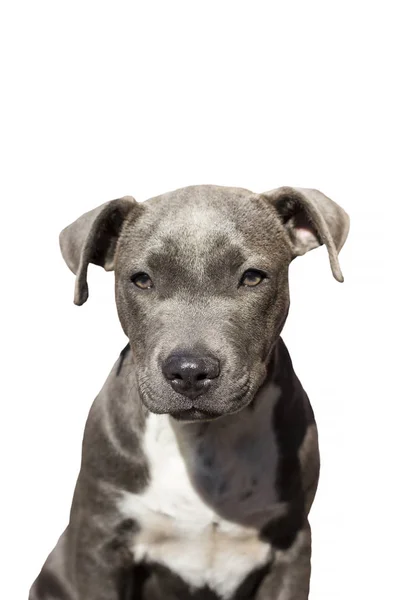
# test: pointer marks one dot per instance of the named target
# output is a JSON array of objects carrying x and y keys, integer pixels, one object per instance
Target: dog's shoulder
[{"x": 112, "y": 451}]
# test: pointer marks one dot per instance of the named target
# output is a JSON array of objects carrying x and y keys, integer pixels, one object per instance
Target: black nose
[{"x": 190, "y": 374}]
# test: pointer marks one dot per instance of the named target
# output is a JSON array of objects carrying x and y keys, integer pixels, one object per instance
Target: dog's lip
[{"x": 194, "y": 414}]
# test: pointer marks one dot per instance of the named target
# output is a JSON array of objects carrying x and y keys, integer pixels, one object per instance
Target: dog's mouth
[{"x": 195, "y": 414}]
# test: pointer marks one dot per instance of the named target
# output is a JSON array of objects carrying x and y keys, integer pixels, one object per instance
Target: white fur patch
[{"x": 179, "y": 530}]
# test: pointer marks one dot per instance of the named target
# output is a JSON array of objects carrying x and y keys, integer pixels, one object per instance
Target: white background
[{"x": 103, "y": 99}]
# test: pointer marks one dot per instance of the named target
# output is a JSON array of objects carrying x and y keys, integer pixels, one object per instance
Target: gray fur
[{"x": 253, "y": 460}]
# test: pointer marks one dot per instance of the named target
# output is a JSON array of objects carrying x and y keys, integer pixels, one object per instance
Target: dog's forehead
[
  {"x": 202, "y": 206},
  {"x": 203, "y": 212},
  {"x": 192, "y": 223},
  {"x": 206, "y": 225}
]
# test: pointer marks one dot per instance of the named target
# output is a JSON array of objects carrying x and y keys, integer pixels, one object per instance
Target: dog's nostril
[
  {"x": 175, "y": 376},
  {"x": 171, "y": 375},
  {"x": 201, "y": 376}
]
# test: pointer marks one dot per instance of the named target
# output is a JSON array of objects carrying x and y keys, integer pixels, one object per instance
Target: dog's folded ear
[
  {"x": 93, "y": 239},
  {"x": 311, "y": 219}
]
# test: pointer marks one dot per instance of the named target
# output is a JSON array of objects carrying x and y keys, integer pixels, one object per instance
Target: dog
[{"x": 200, "y": 457}]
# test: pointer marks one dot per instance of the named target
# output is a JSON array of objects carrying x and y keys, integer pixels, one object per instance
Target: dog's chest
[{"x": 198, "y": 515}]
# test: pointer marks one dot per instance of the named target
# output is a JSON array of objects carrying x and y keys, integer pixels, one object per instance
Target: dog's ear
[
  {"x": 93, "y": 239},
  {"x": 311, "y": 219}
]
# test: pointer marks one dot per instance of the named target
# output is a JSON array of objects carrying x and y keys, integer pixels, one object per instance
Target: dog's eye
[
  {"x": 142, "y": 281},
  {"x": 251, "y": 278}
]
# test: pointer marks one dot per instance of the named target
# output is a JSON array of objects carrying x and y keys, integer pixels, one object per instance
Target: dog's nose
[{"x": 190, "y": 374}]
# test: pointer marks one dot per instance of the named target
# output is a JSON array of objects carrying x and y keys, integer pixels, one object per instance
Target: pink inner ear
[
  {"x": 304, "y": 234},
  {"x": 305, "y": 239}
]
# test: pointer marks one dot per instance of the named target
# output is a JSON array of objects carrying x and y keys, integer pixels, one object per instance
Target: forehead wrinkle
[
  {"x": 216, "y": 252},
  {"x": 191, "y": 236}
]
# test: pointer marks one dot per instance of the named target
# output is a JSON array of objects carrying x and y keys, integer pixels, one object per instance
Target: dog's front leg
[
  {"x": 103, "y": 563},
  {"x": 90, "y": 562},
  {"x": 289, "y": 578}
]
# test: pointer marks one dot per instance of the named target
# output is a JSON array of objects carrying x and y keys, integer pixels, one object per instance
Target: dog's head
[{"x": 201, "y": 279}]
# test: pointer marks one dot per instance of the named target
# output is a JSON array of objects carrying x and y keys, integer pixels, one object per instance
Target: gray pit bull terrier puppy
[{"x": 200, "y": 455}]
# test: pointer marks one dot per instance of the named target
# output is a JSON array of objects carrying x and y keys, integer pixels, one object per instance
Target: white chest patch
[{"x": 179, "y": 530}]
